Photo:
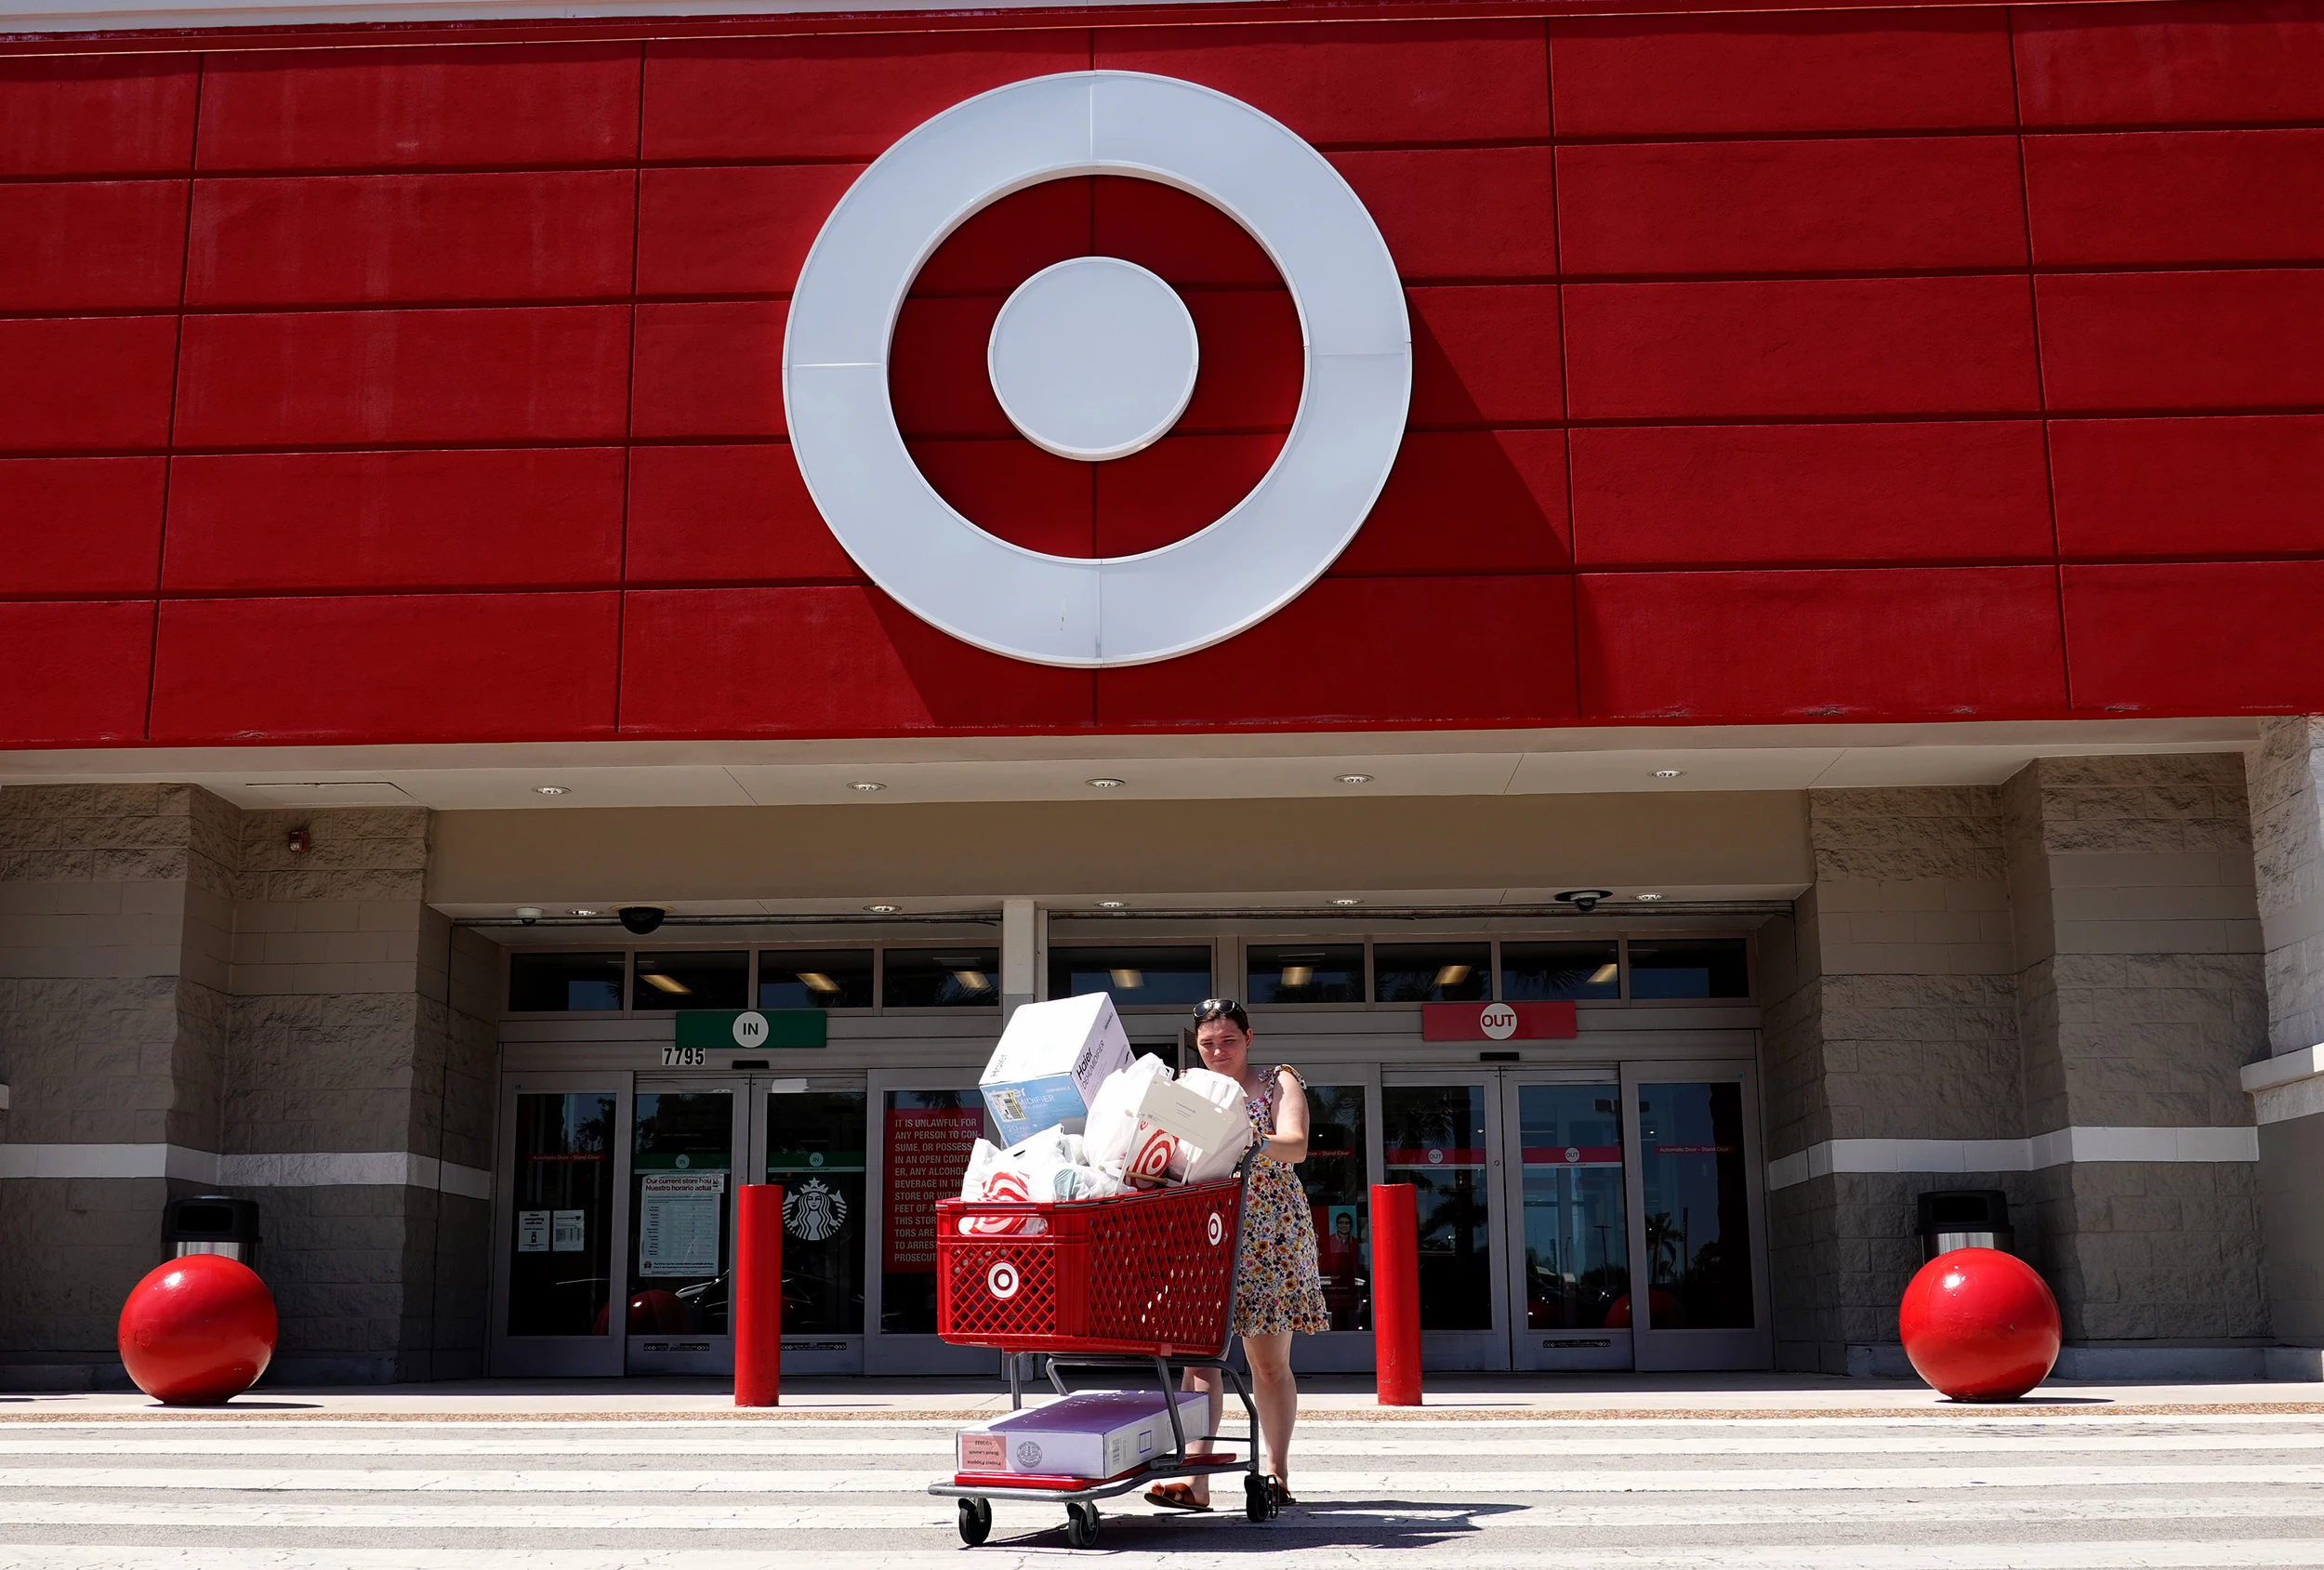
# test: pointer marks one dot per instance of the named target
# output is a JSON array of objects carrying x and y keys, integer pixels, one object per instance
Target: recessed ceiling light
[
  {"x": 1347, "y": 902},
  {"x": 1668, "y": 774},
  {"x": 1356, "y": 779},
  {"x": 883, "y": 910},
  {"x": 1111, "y": 904},
  {"x": 550, "y": 790},
  {"x": 585, "y": 913},
  {"x": 1649, "y": 898},
  {"x": 867, "y": 786},
  {"x": 1105, "y": 782}
]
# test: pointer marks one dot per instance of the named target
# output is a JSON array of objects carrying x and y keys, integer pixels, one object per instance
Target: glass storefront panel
[
  {"x": 941, "y": 978},
  {"x": 1547, "y": 972},
  {"x": 815, "y": 1151},
  {"x": 1178, "y": 976},
  {"x": 1304, "y": 973},
  {"x": 681, "y": 1159},
  {"x": 564, "y": 983},
  {"x": 926, "y": 1136},
  {"x": 718, "y": 979},
  {"x": 1696, "y": 1204},
  {"x": 1432, "y": 972},
  {"x": 826, "y": 978},
  {"x": 1577, "y": 1240},
  {"x": 561, "y": 1252},
  {"x": 1689, "y": 968},
  {"x": 1340, "y": 1199},
  {"x": 1435, "y": 1141}
]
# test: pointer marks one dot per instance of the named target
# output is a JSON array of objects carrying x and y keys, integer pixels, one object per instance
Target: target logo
[
  {"x": 1217, "y": 1229},
  {"x": 1095, "y": 359},
  {"x": 1002, "y": 1280},
  {"x": 1151, "y": 1160}
]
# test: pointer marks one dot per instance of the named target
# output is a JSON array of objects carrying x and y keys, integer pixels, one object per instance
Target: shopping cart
[{"x": 1141, "y": 1285}]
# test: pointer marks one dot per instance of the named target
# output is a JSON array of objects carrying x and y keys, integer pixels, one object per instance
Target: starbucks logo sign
[{"x": 813, "y": 1211}]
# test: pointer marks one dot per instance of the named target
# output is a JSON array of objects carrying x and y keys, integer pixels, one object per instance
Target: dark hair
[{"x": 1211, "y": 1009}]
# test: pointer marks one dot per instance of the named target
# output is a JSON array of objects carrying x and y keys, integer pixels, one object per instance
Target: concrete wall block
[
  {"x": 94, "y": 1239},
  {"x": 1900, "y": 836}
]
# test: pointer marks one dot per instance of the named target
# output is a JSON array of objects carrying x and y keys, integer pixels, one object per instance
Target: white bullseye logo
[
  {"x": 1095, "y": 358},
  {"x": 1217, "y": 1229},
  {"x": 1001, "y": 1280}
]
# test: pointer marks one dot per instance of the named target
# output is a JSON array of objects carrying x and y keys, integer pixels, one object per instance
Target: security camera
[
  {"x": 1584, "y": 900},
  {"x": 528, "y": 913},
  {"x": 641, "y": 920}
]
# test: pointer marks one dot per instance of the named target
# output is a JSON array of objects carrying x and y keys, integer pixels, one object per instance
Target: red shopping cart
[{"x": 1141, "y": 1285}]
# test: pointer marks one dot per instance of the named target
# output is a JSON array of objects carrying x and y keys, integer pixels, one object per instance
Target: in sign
[
  {"x": 1499, "y": 1021},
  {"x": 750, "y": 1029}
]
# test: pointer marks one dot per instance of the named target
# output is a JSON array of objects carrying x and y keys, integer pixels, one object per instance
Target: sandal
[
  {"x": 1174, "y": 1496},
  {"x": 1277, "y": 1492}
]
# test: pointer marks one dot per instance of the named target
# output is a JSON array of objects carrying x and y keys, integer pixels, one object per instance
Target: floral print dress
[{"x": 1278, "y": 1285}]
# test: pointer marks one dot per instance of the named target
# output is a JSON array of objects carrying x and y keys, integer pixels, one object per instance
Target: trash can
[
  {"x": 213, "y": 1223},
  {"x": 1964, "y": 1218}
]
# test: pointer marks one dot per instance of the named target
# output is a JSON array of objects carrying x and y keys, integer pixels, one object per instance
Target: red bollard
[
  {"x": 1396, "y": 1294},
  {"x": 759, "y": 1295}
]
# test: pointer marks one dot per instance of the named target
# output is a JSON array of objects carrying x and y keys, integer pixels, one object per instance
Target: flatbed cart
[{"x": 1141, "y": 1285}]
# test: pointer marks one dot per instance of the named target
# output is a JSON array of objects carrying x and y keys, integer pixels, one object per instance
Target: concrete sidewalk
[{"x": 1342, "y": 1396}]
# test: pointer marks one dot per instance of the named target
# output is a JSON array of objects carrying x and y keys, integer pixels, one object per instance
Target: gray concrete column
[{"x": 1023, "y": 955}]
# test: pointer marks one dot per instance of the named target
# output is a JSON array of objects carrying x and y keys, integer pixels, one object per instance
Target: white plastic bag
[
  {"x": 993, "y": 1175},
  {"x": 1113, "y": 1120},
  {"x": 1211, "y": 1165}
]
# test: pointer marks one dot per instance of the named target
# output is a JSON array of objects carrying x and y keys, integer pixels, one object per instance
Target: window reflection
[
  {"x": 541, "y": 983},
  {"x": 716, "y": 978},
  {"x": 1689, "y": 968},
  {"x": 1432, "y": 972},
  {"x": 1304, "y": 973},
  {"x": 1132, "y": 975},
  {"x": 941, "y": 978},
  {"x": 810, "y": 978}
]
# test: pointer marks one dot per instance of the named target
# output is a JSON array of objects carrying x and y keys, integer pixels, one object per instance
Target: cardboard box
[
  {"x": 1050, "y": 1062},
  {"x": 1097, "y": 1433},
  {"x": 1174, "y": 1128}
]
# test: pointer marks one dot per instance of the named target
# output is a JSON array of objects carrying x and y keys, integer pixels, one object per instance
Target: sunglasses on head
[{"x": 1211, "y": 1009}]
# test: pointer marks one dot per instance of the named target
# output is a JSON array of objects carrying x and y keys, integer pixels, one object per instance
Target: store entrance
[{"x": 1578, "y": 1218}]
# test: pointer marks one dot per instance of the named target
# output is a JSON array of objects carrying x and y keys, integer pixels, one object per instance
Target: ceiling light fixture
[
  {"x": 1668, "y": 774},
  {"x": 867, "y": 786},
  {"x": 1347, "y": 902},
  {"x": 550, "y": 790},
  {"x": 1112, "y": 904},
  {"x": 816, "y": 981},
  {"x": 883, "y": 910},
  {"x": 1649, "y": 898},
  {"x": 1605, "y": 974},
  {"x": 667, "y": 983},
  {"x": 1105, "y": 782},
  {"x": 1356, "y": 779},
  {"x": 585, "y": 913}
]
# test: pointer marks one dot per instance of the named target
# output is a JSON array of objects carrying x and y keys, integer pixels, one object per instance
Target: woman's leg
[
  {"x": 1276, "y": 1394},
  {"x": 1205, "y": 1379}
]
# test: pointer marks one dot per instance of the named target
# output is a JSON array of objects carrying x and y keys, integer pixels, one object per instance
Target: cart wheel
[
  {"x": 1258, "y": 1504},
  {"x": 1081, "y": 1525},
  {"x": 976, "y": 1521}
]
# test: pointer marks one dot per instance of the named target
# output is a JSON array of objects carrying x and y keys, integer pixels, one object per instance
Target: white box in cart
[
  {"x": 1097, "y": 1433},
  {"x": 1050, "y": 1062},
  {"x": 1174, "y": 1128}
]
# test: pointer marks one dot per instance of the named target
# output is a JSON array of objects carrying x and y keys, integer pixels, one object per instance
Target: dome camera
[
  {"x": 641, "y": 920},
  {"x": 1584, "y": 900},
  {"x": 528, "y": 913}
]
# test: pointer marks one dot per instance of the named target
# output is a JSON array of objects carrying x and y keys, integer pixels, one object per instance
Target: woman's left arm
[{"x": 1288, "y": 1142}]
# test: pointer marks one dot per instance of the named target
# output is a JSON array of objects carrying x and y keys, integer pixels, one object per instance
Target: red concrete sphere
[
  {"x": 1980, "y": 1325},
  {"x": 197, "y": 1330}
]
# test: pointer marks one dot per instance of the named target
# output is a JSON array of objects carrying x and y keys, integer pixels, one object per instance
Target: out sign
[
  {"x": 1498, "y": 1020},
  {"x": 1551, "y": 1021}
]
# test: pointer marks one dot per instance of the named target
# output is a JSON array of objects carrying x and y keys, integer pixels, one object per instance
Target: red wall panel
[
  {"x": 317, "y": 521},
  {"x": 708, "y": 369},
  {"x": 77, "y": 671},
  {"x": 114, "y": 245},
  {"x": 420, "y": 108},
  {"x": 715, "y": 515},
  {"x": 2229, "y": 486},
  {"x": 1693, "y": 496},
  {"x": 81, "y": 526},
  {"x": 1468, "y": 501},
  {"x": 936, "y": 368},
  {"x": 2176, "y": 196},
  {"x": 2174, "y": 638},
  {"x": 1460, "y": 212},
  {"x": 1935, "y": 642},
  {"x": 408, "y": 667},
  {"x": 822, "y": 661},
  {"x": 81, "y": 384},
  {"x": 2190, "y": 62},
  {"x": 846, "y": 97},
  {"x": 319, "y": 379},
  {"x": 1012, "y": 239},
  {"x": 1872, "y": 345},
  {"x": 345, "y": 239},
  {"x": 1174, "y": 488},
  {"x": 1845, "y": 204},
  {"x": 736, "y": 230},
  {"x": 1362, "y": 82},
  {"x": 1371, "y": 651},
  {"x": 1486, "y": 356},
  {"x": 1182, "y": 238},
  {"x": 1012, "y": 489},
  {"x": 2183, "y": 340},
  {"x": 96, "y": 115},
  {"x": 1809, "y": 71}
]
